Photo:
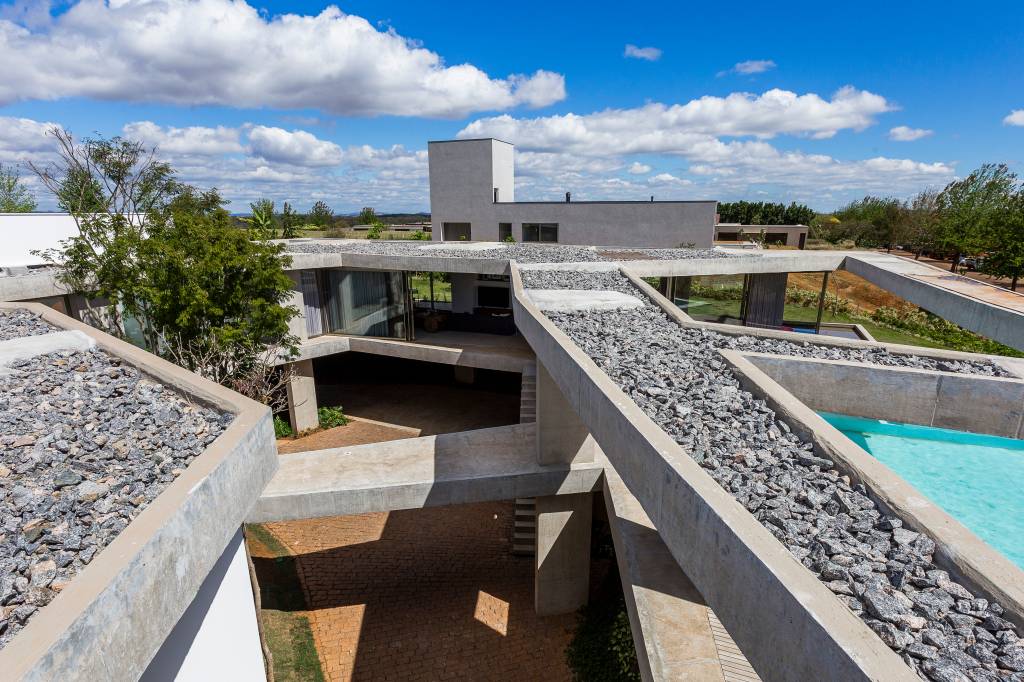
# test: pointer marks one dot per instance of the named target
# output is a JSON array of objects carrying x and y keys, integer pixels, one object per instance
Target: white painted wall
[
  {"x": 25, "y": 232},
  {"x": 217, "y": 638}
]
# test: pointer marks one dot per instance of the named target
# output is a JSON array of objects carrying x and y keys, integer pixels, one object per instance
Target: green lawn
[
  {"x": 713, "y": 311},
  {"x": 421, "y": 288}
]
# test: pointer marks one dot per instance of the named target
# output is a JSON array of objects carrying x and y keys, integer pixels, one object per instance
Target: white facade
[
  {"x": 24, "y": 233},
  {"x": 472, "y": 196}
]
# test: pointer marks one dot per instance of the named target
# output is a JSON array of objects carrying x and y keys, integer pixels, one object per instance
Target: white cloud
[
  {"x": 907, "y": 134},
  {"x": 651, "y": 54},
  {"x": 1015, "y": 118},
  {"x": 661, "y": 128},
  {"x": 23, "y": 139},
  {"x": 637, "y": 168},
  {"x": 750, "y": 67},
  {"x": 194, "y": 140},
  {"x": 226, "y": 52},
  {"x": 297, "y": 148},
  {"x": 668, "y": 179}
]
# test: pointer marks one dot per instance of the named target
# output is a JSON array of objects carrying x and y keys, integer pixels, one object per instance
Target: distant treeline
[{"x": 764, "y": 213}]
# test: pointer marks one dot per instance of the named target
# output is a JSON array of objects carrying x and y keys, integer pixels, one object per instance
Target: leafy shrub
[
  {"x": 921, "y": 323},
  {"x": 282, "y": 429},
  {"x": 420, "y": 235},
  {"x": 731, "y": 292},
  {"x": 329, "y": 417},
  {"x": 602, "y": 648},
  {"x": 509, "y": 239},
  {"x": 376, "y": 231}
]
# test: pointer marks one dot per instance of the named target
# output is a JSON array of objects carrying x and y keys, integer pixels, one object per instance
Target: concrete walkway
[
  {"x": 506, "y": 353},
  {"x": 471, "y": 466}
]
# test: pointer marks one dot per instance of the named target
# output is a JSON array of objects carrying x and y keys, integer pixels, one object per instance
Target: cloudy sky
[{"x": 302, "y": 101}]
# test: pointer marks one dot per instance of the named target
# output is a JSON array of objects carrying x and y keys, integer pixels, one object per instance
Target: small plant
[
  {"x": 376, "y": 231},
  {"x": 420, "y": 235},
  {"x": 329, "y": 417},
  {"x": 509, "y": 239},
  {"x": 282, "y": 429}
]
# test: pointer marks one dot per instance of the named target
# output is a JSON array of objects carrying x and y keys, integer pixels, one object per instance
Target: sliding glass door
[{"x": 368, "y": 303}]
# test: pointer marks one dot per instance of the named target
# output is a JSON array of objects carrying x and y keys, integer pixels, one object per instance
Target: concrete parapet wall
[
  {"x": 424, "y": 263},
  {"x": 785, "y": 620},
  {"x": 112, "y": 618},
  {"x": 1013, "y": 365},
  {"x": 37, "y": 284},
  {"x": 959, "y": 551},
  {"x": 966, "y": 402}
]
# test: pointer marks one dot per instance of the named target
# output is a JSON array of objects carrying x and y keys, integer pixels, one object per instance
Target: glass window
[
  {"x": 367, "y": 303},
  {"x": 540, "y": 232},
  {"x": 504, "y": 231},
  {"x": 493, "y": 297}
]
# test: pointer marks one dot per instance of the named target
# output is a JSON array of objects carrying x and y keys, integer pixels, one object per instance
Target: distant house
[
  {"x": 472, "y": 198},
  {"x": 785, "y": 235}
]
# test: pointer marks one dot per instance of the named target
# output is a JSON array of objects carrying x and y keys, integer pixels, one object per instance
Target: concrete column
[
  {"x": 465, "y": 375},
  {"x": 302, "y": 397},
  {"x": 561, "y": 436},
  {"x": 562, "y": 579}
]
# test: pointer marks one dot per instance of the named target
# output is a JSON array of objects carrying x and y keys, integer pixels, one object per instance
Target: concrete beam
[
  {"x": 789, "y": 625},
  {"x": 455, "y": 468},
  {"x": 302, "y": 407},
  {"x": 990, "y": 311},
  {"x": 562, "y": 579},
  {"x": 667, "y": 615},
  {"x": 561, "y": 437}
]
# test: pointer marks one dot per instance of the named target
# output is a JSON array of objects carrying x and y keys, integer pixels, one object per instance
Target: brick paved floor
[{"x": 429, "y": 594}]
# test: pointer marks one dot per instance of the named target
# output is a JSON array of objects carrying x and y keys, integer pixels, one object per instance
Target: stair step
[{"x": 524, "y": 550}]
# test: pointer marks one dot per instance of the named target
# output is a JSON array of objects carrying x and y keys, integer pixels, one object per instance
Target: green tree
[
  {"x": 1004, "y": 240},
  {"x": 14, "y": 196},
  {"x": 289, "y": 220},
  {"x": 261, "y": 219},
  {"x": 873, "y": 221},
  {"x": 207, "y": 285},
  {"x": 169, "y": 256},
  {"x": 970, "y": 205},
  {"x": 923, "y": 218},
  {"x": 368, "y": 216},
  {"x": 321, "y": 214},
  {"x": 113, "y": 189}
]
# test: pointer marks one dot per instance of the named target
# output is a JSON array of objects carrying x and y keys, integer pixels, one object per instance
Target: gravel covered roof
[
  {"x": 88, "y": 442},
  {"x": 522, "y": 253},
  {"x": 19, "y": 322},
  {"x": 882, "y": 571}
]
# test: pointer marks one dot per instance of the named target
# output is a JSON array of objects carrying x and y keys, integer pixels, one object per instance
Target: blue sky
[{"x": 807, "y": 102}]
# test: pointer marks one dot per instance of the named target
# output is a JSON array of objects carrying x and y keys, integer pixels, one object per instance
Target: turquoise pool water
[{"x": 977, "y": 479}]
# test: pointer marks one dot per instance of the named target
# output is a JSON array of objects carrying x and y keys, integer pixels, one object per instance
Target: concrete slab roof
[{"x": 129, "y": 596}]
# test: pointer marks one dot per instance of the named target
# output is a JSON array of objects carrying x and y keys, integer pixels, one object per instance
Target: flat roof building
[{"x": 472, "y": 198}]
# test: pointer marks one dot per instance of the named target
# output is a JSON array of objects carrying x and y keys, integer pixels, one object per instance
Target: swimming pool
[{"x": 977, "y": 479}]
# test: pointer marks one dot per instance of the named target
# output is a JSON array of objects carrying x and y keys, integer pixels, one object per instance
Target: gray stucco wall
[{"x": 464, "y": 174}]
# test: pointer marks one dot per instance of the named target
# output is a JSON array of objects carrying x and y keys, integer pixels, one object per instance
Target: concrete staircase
[
  {"x": 528, "y": 395},
  {"x": 524, "y": 529}
]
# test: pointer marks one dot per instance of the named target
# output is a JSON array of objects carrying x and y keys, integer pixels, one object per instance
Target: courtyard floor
[{"x": 429, "y": 594}]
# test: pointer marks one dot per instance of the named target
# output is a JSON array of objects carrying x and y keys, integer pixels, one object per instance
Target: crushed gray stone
[
  {"x": 20, "y": 322},
  {"x": 88, "y": 443},
  {"x": 881, "y": 571},
  {"x": 521, "y": 253}
]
